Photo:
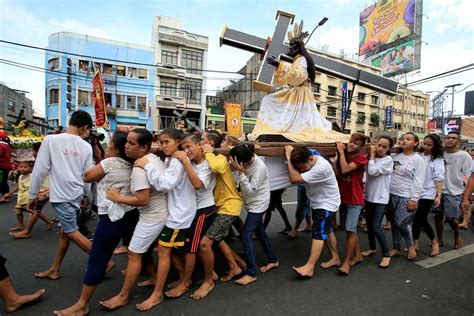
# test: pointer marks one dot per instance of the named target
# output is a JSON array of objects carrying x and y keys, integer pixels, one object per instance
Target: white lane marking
[
  {"x": 289, "y": 203},
  {"x": 446, "y": 256}
]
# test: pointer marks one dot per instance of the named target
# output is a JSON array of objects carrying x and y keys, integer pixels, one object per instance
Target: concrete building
[
  {"x": 11, "y": 103},
  {"x": 180, "y": 82},
  {"x": 367, "y": 109},
  {"x": 127, "y": 77}
]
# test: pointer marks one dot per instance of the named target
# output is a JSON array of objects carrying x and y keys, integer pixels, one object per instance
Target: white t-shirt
[
  {"x": 377, "y": 183},
  {"x": 181, "y": 193},
  {"x": 64, "y": 158},
  {"x": 255, "y": 187},
  {"x": 434, "y": 172},
  {"x": 117, "y": 175},
  {"x": 205, "y": 195},
  {"x": 408, "y": 176},
  {"x": 157, "y": 208},
  {"x": 321, "y": 186},
  {"x": 278, "y": 170},
  {"x": 458, "y": 166}
]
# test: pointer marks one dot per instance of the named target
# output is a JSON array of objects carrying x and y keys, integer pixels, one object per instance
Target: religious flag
[
  {"x": 98, "y": 99},
  {"x": 389, "y": 116},
  {"x": 344, "y": 105},
  {"x": 233, "y": 118}
]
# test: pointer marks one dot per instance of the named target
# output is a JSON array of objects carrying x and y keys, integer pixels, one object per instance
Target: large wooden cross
[{"x": 278, "y": 48}]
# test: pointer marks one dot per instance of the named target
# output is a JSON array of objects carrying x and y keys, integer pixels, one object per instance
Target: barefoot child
[
  {"x": 24, "y": 169},
  {"x": 377, "y": 193},
  {"x": 181, "y": 205},
  {"x": 255, "y": 190},
  {"x": 321, "y": 185},
  {"x": 203, "y": 180}
]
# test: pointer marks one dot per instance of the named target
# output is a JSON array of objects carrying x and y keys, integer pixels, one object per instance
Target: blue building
[{"x": 128, "y": 79}]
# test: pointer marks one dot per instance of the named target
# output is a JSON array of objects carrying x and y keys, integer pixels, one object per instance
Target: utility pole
[{"x": 452, "y": 95}]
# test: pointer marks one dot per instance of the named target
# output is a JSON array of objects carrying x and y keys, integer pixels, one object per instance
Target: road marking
[
  {"x": 289, "y": 203},
  {"x": 445, "y": 257}
]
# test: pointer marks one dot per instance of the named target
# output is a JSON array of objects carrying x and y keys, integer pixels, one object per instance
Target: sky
[{"x": 447, "y": 35}]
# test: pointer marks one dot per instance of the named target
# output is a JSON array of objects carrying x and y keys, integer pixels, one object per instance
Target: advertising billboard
[
  {"x": 397, "y": 59},
  {"x": 452, "y": 124},
  {"x": 385, "y": 22}
]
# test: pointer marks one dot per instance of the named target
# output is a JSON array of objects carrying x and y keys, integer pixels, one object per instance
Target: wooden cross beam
[
  {"x": 183, "y": 114},
  {"x": 276, "y": 47}
]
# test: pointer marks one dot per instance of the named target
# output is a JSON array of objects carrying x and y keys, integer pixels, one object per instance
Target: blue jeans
[
  {"x": 106, "y": 238},
  {"x": 350, "y": 216},
  {"x": 374, "y": 213},
  {"x": 302, "y": 207},
  {"x": 254, "y": 224},
  {"x": 67, "y": 213}
]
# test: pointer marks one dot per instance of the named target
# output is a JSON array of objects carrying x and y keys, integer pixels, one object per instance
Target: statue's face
[{"x": 294, "y": 49}]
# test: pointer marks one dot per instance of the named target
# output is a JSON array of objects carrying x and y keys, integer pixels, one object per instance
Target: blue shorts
[
  {"x": 67, "y": 213},
  {"x": 322, "y": 223},
  {"x": 350, "y": 217},
  {"x": 450, "y": 205}
]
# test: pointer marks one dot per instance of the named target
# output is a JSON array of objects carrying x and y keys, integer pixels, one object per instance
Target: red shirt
[
  {"x": 5, "y": 156},
  {"x": 351, "y": 185}
]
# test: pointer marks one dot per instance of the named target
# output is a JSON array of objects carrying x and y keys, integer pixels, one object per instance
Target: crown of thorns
[{"x": 297, "y": 33}]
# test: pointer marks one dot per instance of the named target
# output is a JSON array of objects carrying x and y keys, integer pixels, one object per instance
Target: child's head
[
  {"x": 356, "y": 143},
  {"x": 36, "y": 148},
  {"x": 192, "y": 148},
  {"x": 230, "y": 141},
  {"x": 25, "y": 167},
  {"x": 432, "y": 145},
  {"x": 242, "y": 153},
  {"x": 117, "y": 146},
  {"x": 409, "y": 142},
  {"x": 212, "y": 139},
  {"x": 302, "y": 159},
  {"x": 138, "y": 143},
  {"x": 170, "y": 139},
  {"x": 383, "y": 145}
]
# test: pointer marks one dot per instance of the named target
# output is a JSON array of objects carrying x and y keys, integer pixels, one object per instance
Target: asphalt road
[{"x": 405, "y": 288}]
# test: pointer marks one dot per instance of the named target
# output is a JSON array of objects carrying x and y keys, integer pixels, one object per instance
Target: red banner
[{"x": 99, "y": 100}]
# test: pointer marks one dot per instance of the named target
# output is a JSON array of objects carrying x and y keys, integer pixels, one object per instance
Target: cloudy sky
[{"x": 448, "y": 32}]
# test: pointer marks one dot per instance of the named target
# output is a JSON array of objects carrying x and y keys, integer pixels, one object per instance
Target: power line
[{"x": 443, "y": 74}]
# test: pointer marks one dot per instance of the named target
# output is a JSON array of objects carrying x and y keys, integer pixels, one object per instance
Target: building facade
[
  {"x": 127, "y": 72},
  {"x": 12, "y": 102},
  {"x": 180, "y": 87},
  {"x": 367, "y": 108}
]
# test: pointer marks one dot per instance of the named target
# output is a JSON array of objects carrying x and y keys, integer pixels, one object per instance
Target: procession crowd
[{"x": 183, "y": 202}]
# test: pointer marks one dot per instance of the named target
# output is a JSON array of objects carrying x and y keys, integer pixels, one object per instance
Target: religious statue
[{"x": 292, "y": 112}]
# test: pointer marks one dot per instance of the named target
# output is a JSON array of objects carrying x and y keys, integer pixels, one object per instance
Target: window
[
  {"x": 54, "y": 96},
  {"x": 141, "y": 104},
  {"x": 142, "y": 73},
  {"x": 361, "y": 97},
  {"x": 349, "y": 114},
  {"x": 347, "y": 131},
  {"x": 53, "y": 63},
  {"x": 108, "y": 69},
  {"x": 168, "y": 87},
  {"x": 84, "y": 97},
  {"x": 318, "y": 106},
  {"x": 169, "y": 57},
  {"x": 131, "y": 102},
  {"x": 132, "y": 72},
  {"x": 192, "y": 60},
  {"x": 121, "y": 71},
  {"x": 97, "y": 67},
  {"x": 331, "y": 111},
  {"x": 84, "y": 65},
  {"x": 11, "y": 104},
  {"x": 332, "y": 90},
  {"x": 120, "y": 101},
  {"x": 375, "y": 99},
  {"x": 316, "y": 87},
  {"x": 193, "y": 92},
  {"x": 360, "y": 117},
  {"x": 397, "y": 126}
]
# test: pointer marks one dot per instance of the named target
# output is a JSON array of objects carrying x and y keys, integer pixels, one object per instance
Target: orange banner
[
  {"x": 98, "y": 99},
  {"x": 233, "y": 118}
]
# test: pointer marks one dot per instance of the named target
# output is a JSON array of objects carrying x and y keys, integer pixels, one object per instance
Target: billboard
[
  {"x": 431, "y": 126},
  {"x": 383, "y": 23},
  {"x": 397, "y": 59},
  {"x": 452, "y": 124}
]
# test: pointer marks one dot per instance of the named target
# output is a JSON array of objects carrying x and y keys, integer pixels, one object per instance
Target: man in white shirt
[{"x": 64, "y": 158}]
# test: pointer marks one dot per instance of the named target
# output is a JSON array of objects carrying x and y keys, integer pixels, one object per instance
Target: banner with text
[
  {"x": 344, "y": 105},
  {"x": 233, "y": 119},
  {"x": 389, "y": 117}
]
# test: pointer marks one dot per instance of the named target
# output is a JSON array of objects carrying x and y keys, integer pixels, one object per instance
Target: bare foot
[
  {"x": 344, "y": 270},
  {"x": 16, "y": 228},
  {"x": 173, "y": 284},
  {"x": 416, "y": 244},
  {"x": 146, "y": 283},
  {"x": 178, "y": 290},
  {"x": 115, "y": 302},
  {"x": 50, "y": 225},
  {"x": 356, "y": 260},
  {"x": 292, "y": 234},
  {"x": 205, "y": 288},
  {"x": 120, "y": 250},
  {"x": 110, "y": 266},
  {"x": 411, "y": 253},
  {"x": 440, "y": 243},
  {"x": 74, "y": 310},
  {"x": 331, "y": 263},
  {"x": 214, "y": 278},
  {"x": 232, "y": 273},
  {"x": 458, "y": 242},
  {"x": 246, "y": 279},
  {"x": 394, "y": 253},
  {"x": 52, "y": 275},
  {"x": 150, "y": 302},
  {"x": 368, "y": 253},
  {"x": 268, "y": 267},
  {"x": 20, "y": 235},
  {"x": 434, "y": 248},
  {"x": 305, "y": 229},
  {"x": 304, "y": 271},
  {"x": 463, "y": 226},
  {"x": 22, "y": 300},
  {"x": 385, "y": 262}
]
